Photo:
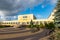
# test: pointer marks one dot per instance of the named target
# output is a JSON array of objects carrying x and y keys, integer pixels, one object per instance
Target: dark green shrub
[
  {"x": 46, "y": 25},
  {"x": 33, "y": 27},
  {"x": 41, "y": 25},
  {"x": 31, "y": 24},
  {"x": 50, "y": 25},
  {"x": 1, "y": 26}
]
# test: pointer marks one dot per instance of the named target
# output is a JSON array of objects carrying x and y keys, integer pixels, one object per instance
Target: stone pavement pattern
[{"x": 22, "y": 34}]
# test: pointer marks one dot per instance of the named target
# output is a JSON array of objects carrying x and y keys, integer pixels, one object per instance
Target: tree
[
  {"x": 33, "y": 27},
  {"x": 50, "y": 25},
  {"x": 46, "y": 25},
  {"x": 57, "y": 17},
  {"x": 57, "y": 14},
  {"x": 41, "y": 25},
  {"x": 31, "y": 24},
  {"x": 37, "y": 26}
]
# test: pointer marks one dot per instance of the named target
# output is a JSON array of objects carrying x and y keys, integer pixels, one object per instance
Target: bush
[
  {"x": 52, "y": 37},
  {"x": 41, "y": 25},
  {"x": 58, "y": 36},
  {"x": 46, "y": 25},
  {"x": 37, "y": 26},
  {"x": 33, "y": 27},
  {"x": 50, "y": 25},
  {"x": 2, "y": 26},
  {"x": 31, "y": 24}
]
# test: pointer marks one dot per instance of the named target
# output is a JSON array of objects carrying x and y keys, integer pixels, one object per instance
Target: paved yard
[{"x": 22, "y": 34}]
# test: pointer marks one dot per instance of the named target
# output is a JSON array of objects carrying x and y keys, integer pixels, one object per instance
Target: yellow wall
[
  {"x": 11, "y": 23},
  {"x": 28, "y": 18}
]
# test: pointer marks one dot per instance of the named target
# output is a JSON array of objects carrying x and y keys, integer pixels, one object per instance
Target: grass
[
  {"x": 3, "y": 26},
  {"x": 58, "y": 36}
]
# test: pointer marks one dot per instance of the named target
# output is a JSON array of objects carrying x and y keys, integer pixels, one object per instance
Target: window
[
  {"x": 17, "y": 22},
  {"x": 23, "y": 23},
  {"x": 27, "y": 22},
  {"x": 24, "y": 16}
]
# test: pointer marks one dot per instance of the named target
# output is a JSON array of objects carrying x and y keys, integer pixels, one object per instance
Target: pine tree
[{"x": 57, "y": 14}]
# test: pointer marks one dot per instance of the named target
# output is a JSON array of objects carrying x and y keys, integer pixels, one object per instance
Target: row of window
[
  {"x": 24, "y": 16},
  {"x": 15, "y": 23},
  {"x": 21, "y": 23},
  {"x": 33, "y": 22},
  {"x": 11, "y": 23}
]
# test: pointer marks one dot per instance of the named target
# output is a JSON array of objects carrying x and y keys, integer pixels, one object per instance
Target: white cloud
[
  {"x": 14, "y": 6},
  {"x": 1, "y": 13},
  {"x": 11, "y": 7},
  {"x": 2, "y": 18},
  {"x": 39, "y": 16},
  {"x": 49, "y": 2},
  {"x": 53, "y": 1},
  {"x": 14, "y": 17},
  {"x": 43, "y": 6}
]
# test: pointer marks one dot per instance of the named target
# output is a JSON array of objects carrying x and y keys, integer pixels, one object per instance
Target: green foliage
[
  {"x": 46, "y": 25},
  {"x": 33, "y": 27},
  {"x": 58, "y": 36},
  {"x": 41, "y": 25},
  {"x": 2, "y": 26},
  {"x": 31, "y": 24},
  {"x": 50, "y": 25}
]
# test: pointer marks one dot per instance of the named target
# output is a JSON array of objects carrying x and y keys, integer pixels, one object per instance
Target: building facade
[{"x": 26, "y": 19}]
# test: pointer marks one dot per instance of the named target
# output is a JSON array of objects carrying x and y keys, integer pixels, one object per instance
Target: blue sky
[
  {"x": 12, "y": 8},
  {"x": 41, "y": 11}
]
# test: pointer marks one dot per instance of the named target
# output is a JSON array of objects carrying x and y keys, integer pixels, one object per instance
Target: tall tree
[
  {"x": 31, "y": 24},
  {"x": 57, "y": 14}
]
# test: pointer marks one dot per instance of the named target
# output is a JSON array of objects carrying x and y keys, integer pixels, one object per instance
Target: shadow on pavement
[
  {"x": 32, "y": 37},
  {"x": 14, "y": 32}
]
